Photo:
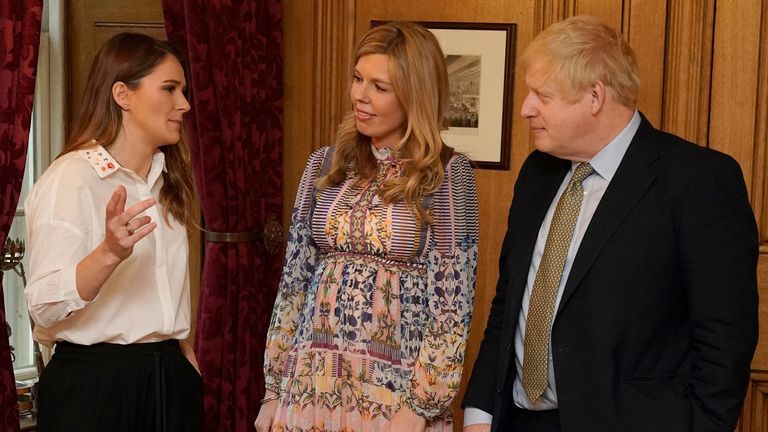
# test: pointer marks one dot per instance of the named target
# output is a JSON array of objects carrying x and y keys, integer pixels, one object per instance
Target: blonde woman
[{"x": 370, "y": 324}]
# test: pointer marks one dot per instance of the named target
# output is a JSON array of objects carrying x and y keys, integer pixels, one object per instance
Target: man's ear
[
  {"x": 597, "y": 96},
  {"x": 121, "y": 95}
]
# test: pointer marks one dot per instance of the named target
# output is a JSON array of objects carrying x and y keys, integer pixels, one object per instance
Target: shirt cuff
[
  {"x": 68, "y": 286},
  {"x": 476, "y": 416}
]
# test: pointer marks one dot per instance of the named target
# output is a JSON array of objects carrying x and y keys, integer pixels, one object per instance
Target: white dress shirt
[
  {"x": 146, "y": 299},
  {"x": 605, "y": 164}
]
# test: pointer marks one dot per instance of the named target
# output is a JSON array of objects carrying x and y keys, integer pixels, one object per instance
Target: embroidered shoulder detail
[{"x": 101, "y": 161}]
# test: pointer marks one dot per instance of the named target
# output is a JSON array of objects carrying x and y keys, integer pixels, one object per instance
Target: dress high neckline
[{"x": 381, "y": 154}]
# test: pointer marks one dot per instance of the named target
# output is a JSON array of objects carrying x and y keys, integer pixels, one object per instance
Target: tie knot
[{"x": 582, "y": 171}]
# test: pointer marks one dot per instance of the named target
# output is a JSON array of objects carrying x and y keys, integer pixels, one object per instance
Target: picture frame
[{"x": 480, "y": 59}]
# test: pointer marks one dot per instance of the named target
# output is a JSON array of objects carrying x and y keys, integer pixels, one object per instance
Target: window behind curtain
[{"x": 38, "y": 157}]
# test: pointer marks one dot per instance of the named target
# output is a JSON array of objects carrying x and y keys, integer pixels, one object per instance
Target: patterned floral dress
[{"x": 373, "y": 311}]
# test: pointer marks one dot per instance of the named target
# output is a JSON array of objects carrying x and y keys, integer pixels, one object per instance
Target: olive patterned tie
[{"x": 544, "y": 293}]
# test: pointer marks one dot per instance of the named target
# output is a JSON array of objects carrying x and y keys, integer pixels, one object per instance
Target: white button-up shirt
[{"x": 146, "y": 299}]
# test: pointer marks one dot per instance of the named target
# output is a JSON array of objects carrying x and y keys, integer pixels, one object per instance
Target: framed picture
[{"x": 480, "y": 59}]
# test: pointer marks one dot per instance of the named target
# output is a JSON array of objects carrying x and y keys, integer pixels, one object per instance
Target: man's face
[{"x": 561, "y": 123}]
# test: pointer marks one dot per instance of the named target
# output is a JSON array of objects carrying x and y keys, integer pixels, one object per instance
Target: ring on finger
[{"x": 130, "y": 228}]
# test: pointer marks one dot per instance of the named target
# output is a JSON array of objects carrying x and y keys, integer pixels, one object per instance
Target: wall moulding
[
  {"x": 688, "y": 75},
  {"x": 754, "y": 416},
  {"x": 549, "y": 12},
  {"x": 334, "y": 41},
  {"x": 760, "y": 183}
]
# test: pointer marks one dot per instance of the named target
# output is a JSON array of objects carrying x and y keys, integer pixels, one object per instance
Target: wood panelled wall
[{"x": 704, "y": 71}]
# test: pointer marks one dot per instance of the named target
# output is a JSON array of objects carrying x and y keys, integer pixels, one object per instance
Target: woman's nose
[
  {"x": 359, "y": 92},
  {"x": 184, "y": 105}
]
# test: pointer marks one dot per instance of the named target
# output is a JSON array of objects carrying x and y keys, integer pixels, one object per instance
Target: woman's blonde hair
[
  {"x": 420, "y": 81},
  {"x": 580, "y": 51},
  {"x": 127, "y": 58}
]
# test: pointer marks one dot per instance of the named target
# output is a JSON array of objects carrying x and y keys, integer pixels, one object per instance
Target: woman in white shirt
[{"x": 109, "y": 276}]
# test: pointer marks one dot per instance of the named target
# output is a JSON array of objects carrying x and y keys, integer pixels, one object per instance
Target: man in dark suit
[{"x": 627, "y": 296}]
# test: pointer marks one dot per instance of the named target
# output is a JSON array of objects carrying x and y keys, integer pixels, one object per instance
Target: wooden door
[{"x": 93, "y": 22}]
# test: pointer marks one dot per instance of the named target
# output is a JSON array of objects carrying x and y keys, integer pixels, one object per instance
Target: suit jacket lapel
[{"x": 632, "y": 179}]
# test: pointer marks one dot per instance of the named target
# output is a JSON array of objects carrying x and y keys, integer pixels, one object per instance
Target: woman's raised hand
[{"x": 123, "y": 228}]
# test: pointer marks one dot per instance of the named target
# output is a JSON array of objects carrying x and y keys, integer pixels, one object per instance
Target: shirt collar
[
  {"x": 607, "y": 161},
  {"x": 104, "y": 164},
  {"x": 101, "y": 161},
  {"x": 157, "y": 169}
]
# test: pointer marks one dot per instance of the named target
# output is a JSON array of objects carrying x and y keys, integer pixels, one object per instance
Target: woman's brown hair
[
  {"x": 127, "y": 58},
  {"x": 420, "y": 80}
]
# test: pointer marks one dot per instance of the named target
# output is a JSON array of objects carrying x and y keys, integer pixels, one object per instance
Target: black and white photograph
[
  {"x": 480, "y": 60},
  {"x": 463, "y": 108}
]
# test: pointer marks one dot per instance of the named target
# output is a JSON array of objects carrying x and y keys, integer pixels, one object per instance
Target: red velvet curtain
[
  {"x": 19, "y": 45},
  {"x": 234, "y": 51}
]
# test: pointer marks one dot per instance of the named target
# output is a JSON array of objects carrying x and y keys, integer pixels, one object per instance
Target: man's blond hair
[{"x": 580, "y": 51}]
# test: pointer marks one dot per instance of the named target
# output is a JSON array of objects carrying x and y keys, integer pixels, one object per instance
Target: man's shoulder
[{"x": 680, "y": 152}]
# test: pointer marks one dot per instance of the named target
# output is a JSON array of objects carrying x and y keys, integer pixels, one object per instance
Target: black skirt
[{"x": 123, "y": 388}]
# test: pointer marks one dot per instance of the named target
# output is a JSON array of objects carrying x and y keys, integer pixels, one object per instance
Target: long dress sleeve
[
  {"x": 299, "y": 265},
  {"x": 451, "y": 272}
]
